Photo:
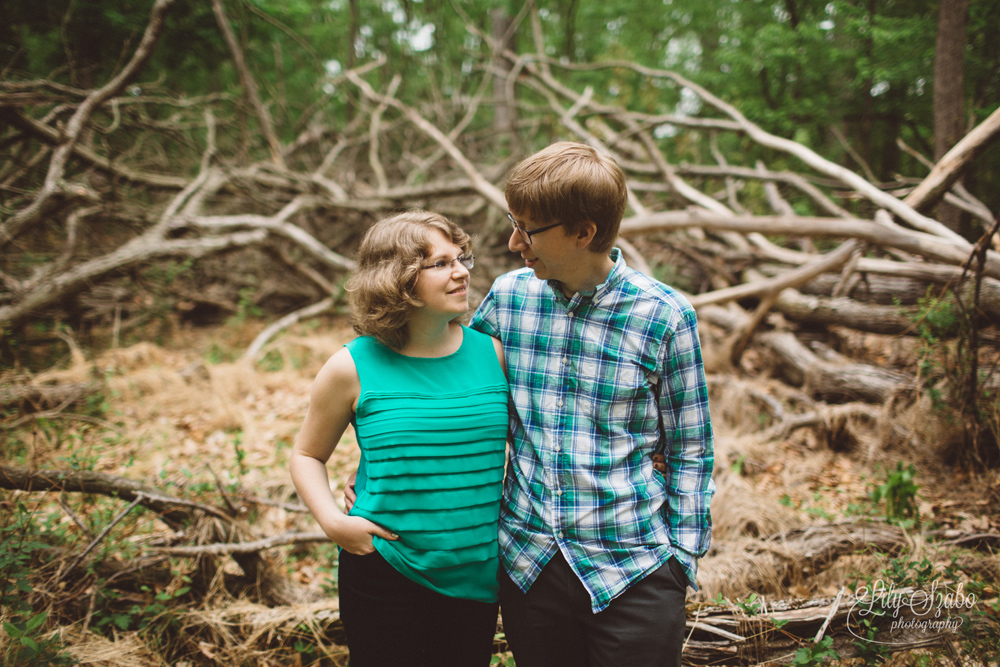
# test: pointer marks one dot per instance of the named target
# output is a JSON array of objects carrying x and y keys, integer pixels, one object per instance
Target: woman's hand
[
  {"x": 350, "y": 493},
  {"x": 355, "y": 533}
]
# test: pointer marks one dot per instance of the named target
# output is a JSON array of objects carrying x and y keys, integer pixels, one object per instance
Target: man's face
[{"x": 550, "y": 249}]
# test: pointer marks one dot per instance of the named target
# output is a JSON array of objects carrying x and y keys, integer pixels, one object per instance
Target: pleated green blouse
[{"x": 432, "y": 434}]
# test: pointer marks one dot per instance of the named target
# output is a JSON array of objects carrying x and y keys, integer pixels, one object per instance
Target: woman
[{"x": 428, "y": 401}]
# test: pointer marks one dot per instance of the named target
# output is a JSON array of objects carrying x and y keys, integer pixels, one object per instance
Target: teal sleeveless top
[{"x": 433, "y": 435}]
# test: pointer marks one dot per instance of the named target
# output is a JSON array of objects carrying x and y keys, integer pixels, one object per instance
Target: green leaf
[
  {"x": 36, "y": 621},
  {"x": 11, "y": 630}
]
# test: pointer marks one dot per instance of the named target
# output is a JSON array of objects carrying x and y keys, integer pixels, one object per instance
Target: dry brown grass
[{"x": 175, "y": 420}]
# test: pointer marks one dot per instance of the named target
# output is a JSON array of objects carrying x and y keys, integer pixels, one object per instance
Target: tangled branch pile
[{"x": 124, "y": 206}]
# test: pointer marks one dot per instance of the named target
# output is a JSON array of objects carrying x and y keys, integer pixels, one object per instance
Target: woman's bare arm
[{"x": 331, "y": 406}]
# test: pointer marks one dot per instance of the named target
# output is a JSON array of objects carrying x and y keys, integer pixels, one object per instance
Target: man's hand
[
  {"x": 659, "y": 464},
  {"x": 350, "y": 495}
]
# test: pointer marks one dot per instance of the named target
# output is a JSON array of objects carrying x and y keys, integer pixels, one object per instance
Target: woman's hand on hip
[{"x": 355, "y": 533}]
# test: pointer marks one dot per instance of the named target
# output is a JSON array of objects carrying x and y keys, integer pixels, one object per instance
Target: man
[{"x": 605, "y": 372}]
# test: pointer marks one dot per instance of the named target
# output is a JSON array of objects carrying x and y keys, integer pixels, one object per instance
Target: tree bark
[
  {"x": 831, "y": 381},
  {"x": 845, "y": 312},
  {"x": 949, "y": 89},
  {"x": 948, "y": 169}
]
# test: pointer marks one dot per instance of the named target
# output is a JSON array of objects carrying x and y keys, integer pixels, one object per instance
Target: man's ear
[{"x": 586, "y": 234}]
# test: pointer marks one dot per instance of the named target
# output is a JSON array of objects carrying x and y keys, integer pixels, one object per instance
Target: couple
[{"x": 595, "y": 548}]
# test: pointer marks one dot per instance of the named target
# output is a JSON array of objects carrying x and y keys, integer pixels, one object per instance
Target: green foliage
[
  {"x": 936, "y": 317},
  {"x": 906, "y": 573},
  {"x": 870, "y": 650},
  {"x": 154, "y": 616},
  {"x": 246, "y": 308},
  {"x": 240, "y": 452},
  {"x": 217, "y": 354},
  {"x": 815, "y": 654},
  {"x": 815, "y": 511},
  {"x": 980, "y": 629},
  {"x": 19, "y": 548},
  {"x": 899, "y": 492},
  {"x": 951, "y": 592},
  {"x": 750, "y": 606},
  {"x": 272, "y": 362}
]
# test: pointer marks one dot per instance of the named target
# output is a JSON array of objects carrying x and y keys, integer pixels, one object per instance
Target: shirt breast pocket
[{"x": 616, "y": 388}]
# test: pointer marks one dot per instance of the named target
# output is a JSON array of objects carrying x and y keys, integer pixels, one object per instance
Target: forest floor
[{"x": 187, "y": 416}]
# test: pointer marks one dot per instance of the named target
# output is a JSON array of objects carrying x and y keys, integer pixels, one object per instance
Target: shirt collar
[{"x": 595, "y": 295}]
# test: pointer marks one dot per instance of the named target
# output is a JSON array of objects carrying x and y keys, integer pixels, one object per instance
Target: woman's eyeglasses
[{"x": 468, "y": 261}]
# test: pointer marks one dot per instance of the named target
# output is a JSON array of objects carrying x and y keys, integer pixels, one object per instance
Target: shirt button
[
  {"x": 558, "y": 492},
  {"x": 558, "y": 448},
  {"x": 559, "y": 534},
  {"x": 560, "y": 403}
]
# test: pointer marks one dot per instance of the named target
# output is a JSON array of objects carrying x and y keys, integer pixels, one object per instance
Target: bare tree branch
[
  {"x": 949, "y": 168},
  {"x": 809, "y": 157},
  {"x": 57, "y": 165},
  {"x": 249, "y": 85},
  {"x": 52, "y": 137},
  {"x": 484, "y": 187},
  {"x": 173, "y": 510},
  {"x": 932, "y": 247}
]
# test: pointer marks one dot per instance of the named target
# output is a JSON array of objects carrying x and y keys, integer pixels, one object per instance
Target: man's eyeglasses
[
  {"x": 525, "y": 234},
  {"x": 468, "y": 261}
]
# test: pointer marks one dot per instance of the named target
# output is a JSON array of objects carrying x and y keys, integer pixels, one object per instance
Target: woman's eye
[{"x": 440, "y": 264}]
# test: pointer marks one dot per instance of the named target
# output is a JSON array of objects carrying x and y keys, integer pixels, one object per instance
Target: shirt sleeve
[
  {"x": 687, "y": 430},
  {"x": 485, "y": 319}
]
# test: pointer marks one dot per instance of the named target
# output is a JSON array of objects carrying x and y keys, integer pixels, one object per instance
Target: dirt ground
[{"x": 190, "y": 417}]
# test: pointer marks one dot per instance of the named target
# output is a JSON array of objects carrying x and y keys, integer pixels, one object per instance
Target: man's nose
[{"x": 516, "y": 242}]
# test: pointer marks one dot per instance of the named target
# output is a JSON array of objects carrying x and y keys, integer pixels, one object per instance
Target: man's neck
[{"x": 594, "y": 269}]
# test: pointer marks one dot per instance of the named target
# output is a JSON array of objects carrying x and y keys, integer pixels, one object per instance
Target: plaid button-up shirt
[{"x": 599, "y": 383}]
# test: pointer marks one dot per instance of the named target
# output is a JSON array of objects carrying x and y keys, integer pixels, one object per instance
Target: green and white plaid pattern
[{"x": 599, "y": 383}]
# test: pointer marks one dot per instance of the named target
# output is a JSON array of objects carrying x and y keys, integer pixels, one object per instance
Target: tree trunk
[
  {"x": 949, "y": 89},
  {"x": 505, "y": 113}
]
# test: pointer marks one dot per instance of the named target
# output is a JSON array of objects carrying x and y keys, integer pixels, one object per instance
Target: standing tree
[{"x": 949, "y": 89}]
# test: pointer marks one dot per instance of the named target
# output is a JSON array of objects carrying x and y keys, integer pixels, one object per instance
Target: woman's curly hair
[{"x": 382, "y": 290}]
